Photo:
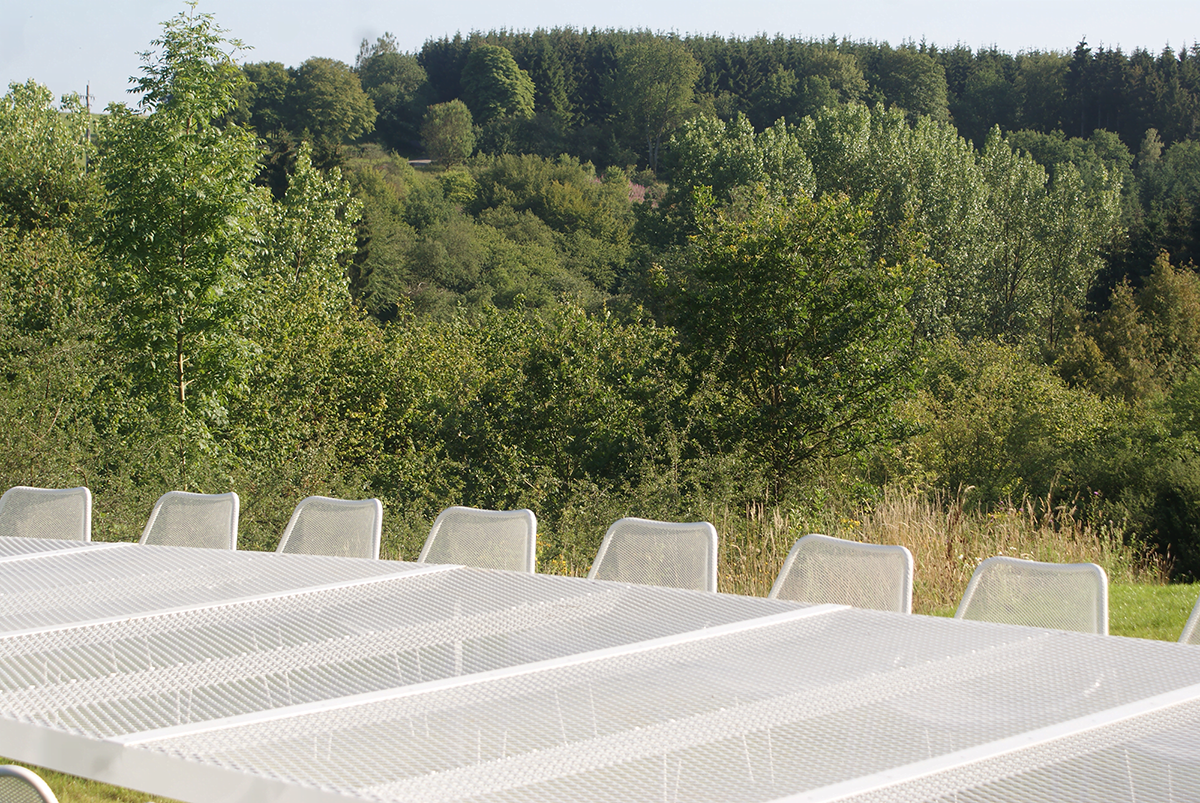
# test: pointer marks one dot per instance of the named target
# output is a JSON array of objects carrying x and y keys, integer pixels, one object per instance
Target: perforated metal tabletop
[{"x": 237, "y": 676}]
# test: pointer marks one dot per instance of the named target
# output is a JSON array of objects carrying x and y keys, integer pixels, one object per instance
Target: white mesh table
[{"x": 238, "y": 676}]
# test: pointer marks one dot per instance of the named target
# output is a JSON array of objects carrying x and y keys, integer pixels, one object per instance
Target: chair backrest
[
  {"x": 61, "y": 513},
  {"x": 821, "y": 568},
  {"x": 486, "y": 539},
  {"x": 343, "y": 528},
  {"x": 180, "y": 518},
  {"x": 1191, "y": 630},
  {"x": 22, "y": 785},
  {"x": 659, "y": 553},
  {"x": 1063, "y": 596}
]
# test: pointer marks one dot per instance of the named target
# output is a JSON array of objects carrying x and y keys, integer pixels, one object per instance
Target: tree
[
  {"x": 912, "y": 80},
  {"x": 43, "y": 160},
  {"x": 653, "y": 88},
  {"x": 448, "y": 133},
  {"x": 305, "y": 234},
  {"x": 264, "y": 103},
  {"x": 494, "y": 86},
  {"x": 179, "y": 230},
  {"x": 396, "y": 83},
  {"x": 808, "y": 333},
  {"x": 327, "y": 100},
  {"x": 725, "y": 156}
]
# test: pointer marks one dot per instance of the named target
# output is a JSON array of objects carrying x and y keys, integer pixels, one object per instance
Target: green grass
[{"x": 1150, "y": 611}]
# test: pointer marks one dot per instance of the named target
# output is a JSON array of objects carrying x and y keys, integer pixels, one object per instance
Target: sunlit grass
[
  {"x": 946, "y": 538},
  {"x": 1150, "y": 611}
]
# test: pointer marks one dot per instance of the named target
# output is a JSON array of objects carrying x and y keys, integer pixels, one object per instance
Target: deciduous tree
[
  {"x": 43, "y": 160},
  {"x": 807, "y": 330},
  {"x": 494, "y": 86},
  {"x": 179, "y": 229},
  {"x": 448, "y": 133},
  {"x": 652, "y": 89},
  {"x": 327, "y": 100}
]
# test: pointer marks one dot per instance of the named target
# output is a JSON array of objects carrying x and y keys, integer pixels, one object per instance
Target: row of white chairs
[
  {"x": 634, "y": 550},
  {"x": 350, "y": 528},
  {"x": 818, "y": 568}
]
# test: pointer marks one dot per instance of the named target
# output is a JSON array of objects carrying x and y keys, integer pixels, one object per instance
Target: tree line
[
  {"x": 628, "y": 295},
  {"x": 612, "y": 98}
]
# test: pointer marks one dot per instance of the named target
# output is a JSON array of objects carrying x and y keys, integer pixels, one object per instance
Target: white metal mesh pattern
[
  {"x": 162, "y": 671},
  {"x": 245, "y": 677},
  {"x": 22, "y": 785},
  {"x": 659, "y": 553},
  {"x": 17, "y": 548},
  {"x": 57, "y": 513},
  {"x": 81, "y": 585},
  {"x": 348, "y": 528},
  {"x": 180, "y": 518},
  {"x": 1024, "y": 592},
  {"x": 1151, "y": 757},
  {"x": 1122, "y": 756},
  {"x": 824, "y": 569},
  {"x": 746, "y": 716},
  {"x": 486, "y": 539}
]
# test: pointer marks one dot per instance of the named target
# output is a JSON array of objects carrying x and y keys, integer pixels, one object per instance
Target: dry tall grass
[{"x": 946, "y": 538}]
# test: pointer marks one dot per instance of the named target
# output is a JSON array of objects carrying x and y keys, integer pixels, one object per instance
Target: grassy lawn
[{"x": 1150, "y": 611}]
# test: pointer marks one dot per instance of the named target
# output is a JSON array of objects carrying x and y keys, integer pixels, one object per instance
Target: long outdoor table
[{"x": 210, "y": 675}]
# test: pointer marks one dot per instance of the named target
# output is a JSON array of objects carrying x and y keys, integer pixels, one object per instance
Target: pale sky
[{"x": 67, "y": 44}]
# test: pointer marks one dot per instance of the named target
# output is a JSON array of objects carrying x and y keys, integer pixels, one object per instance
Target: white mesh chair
[
  {"x": 1191, "y": 630},
  {"x": 821, "y": 568},
  {"x": 485, "y": 539},
  {"x": 180, "y": 518},
  {"x": 61, "y": 513},
  {"x": 659, "y": 553},
  {"x": 1063, "y": 596},
  {"x": 21, "y": 785},
  {"x": 343, "y": 528}
]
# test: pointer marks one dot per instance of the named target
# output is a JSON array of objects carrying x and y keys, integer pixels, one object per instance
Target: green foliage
[
  {"x": 1018, "y": 253},
  {"x": 263, "y": 102},
  {"x": 304, "y": 236},
  {"x": 820, "y": 78},
  {"x": 1144, "y": 342},
  {"x": 652, "y": 89},
  {"x": 43, "y": 161},
  {"x": 994, "y": 420},
  {"x": 328, "y": 102},
  {"x": 510, "y": 232},
  {"x": 448, "y": 132},
  {"x": 569, "y": 403},
  {"x": 725, "y": 156},
  {"x": 1146, "y": 470},
  {"x": 397, "y": 85},
  {"x": 49, "y": 360},
  {"x": 911, "y": 80},
  {"x": 807, "y": 331},
  {"x": 590, "y": 216},
  {"x": 179, "y": 230},
  {"x": 501, "y": 355},
  {"x": 494, "y": 86}
]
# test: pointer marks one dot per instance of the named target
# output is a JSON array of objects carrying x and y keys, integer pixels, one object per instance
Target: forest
[{"x": 602, "y": 273}]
